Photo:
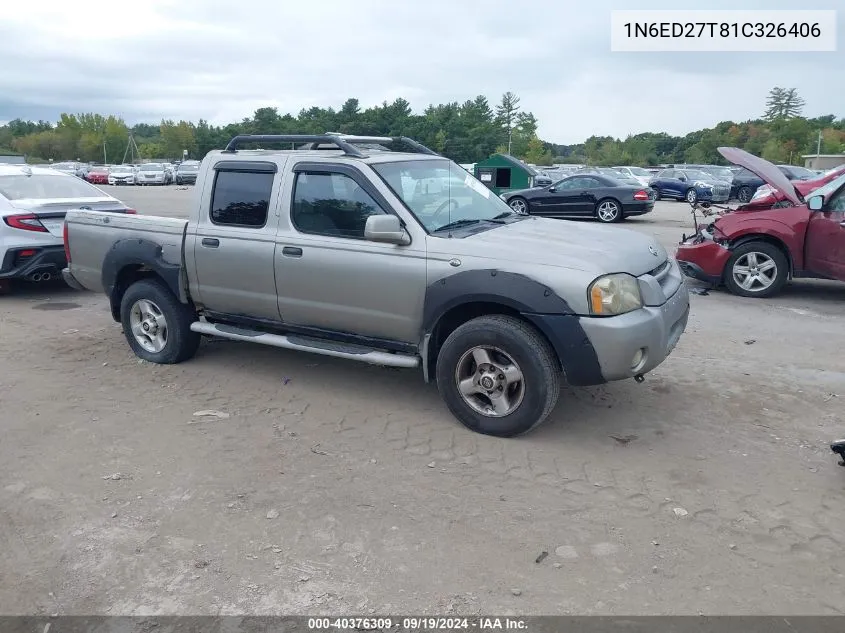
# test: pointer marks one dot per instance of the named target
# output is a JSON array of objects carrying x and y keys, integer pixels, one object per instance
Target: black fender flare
[
  {"x": 138, "y": 253},
  {"x": 534, "y": 301},
  {"x": 516, "y": 291}
]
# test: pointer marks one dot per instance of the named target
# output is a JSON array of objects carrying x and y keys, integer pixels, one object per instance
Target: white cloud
[{"x": 221, "y": 60}]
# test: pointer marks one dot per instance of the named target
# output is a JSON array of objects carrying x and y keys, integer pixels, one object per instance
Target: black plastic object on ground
[{"x": 839, "y": 449}]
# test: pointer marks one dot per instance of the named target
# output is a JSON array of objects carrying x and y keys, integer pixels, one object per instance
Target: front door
[
  {"x": 235, "y": 240},
  {"x": 328, "y": 276},
  {"x": 825, "y": 241}
]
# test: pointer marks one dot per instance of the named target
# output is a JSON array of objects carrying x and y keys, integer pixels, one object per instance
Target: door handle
[
  {"x": 210, "y": 242},
  {"x": 292, "y": 251},
  {"x": 842, "y": 224}
]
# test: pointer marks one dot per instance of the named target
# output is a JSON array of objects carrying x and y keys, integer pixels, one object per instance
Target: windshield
[
  {"x": 639, "y": 171},
  {"x": 722, "y": 173},
  {"x": 188, "y": 167},
  {"x": 43, "y": 186},
  {"x": 151, "y": 167},
  {"x": 121, "y": 169},
  {"x": 439, "y": 192}
]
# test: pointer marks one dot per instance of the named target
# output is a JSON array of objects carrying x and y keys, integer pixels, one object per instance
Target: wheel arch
[
  {"x": 131, "y": 260},
  {"x": 769, "y": 239},
  {"x": 455, "y": 299}
]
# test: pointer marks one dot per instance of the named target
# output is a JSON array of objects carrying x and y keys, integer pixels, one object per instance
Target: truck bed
[{"x": 91, "y": 235}]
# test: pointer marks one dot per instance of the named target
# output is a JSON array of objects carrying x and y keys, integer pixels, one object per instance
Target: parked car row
[{"x": 142, "y": 174}]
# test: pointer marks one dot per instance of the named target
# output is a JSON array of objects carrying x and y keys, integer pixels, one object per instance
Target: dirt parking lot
[{"x": 339, "y": 488}]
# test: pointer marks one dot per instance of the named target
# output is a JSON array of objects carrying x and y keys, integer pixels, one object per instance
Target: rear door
[
  {"x": 825, "y": 241},
  {"x": 234, "y": 240}
]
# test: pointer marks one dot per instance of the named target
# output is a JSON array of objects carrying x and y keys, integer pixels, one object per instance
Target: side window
[
  {"x": 589, "y": 183},
  {"x": 837, "y": 203},
  {"x": 241, "y": 198},
  {"x": 569, "y": 183},
  {"x": 331, "y": 204},
  {"x": 666, "y": 173}
]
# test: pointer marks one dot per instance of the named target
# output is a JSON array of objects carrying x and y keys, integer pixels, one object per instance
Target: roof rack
[{"x": 343, "y": 142}]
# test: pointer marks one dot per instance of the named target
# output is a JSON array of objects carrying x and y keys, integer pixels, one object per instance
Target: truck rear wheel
[
  {"x": 156, "y": 324},
  {"x": 498, "y": 376}
]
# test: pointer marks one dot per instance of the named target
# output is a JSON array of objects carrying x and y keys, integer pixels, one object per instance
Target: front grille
[{"x": 656, "y": 272}]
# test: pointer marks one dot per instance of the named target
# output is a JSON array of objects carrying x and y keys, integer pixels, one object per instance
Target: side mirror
[
  {"x": 552, "y": 189},
  {"x": 682, "y": 178},
  {"x": 815, "y": 203},
  {"x": 386, "y": 228}
]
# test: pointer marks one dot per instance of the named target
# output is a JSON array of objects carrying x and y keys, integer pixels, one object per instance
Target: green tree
[
  {"x": 176, "y": 137},
  {"x": 506, "y": 113},
  {"x": 536, "y": 153},
  {"x": 783, "y": 103}
]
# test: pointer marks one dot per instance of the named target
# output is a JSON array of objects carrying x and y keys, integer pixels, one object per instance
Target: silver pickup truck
[{"x": 344, "y": 247}]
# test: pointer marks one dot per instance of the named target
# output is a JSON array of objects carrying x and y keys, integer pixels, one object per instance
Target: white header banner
[{"x": 723, "y": 31}]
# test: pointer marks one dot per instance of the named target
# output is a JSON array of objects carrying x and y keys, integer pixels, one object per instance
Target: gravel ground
[{"x": 339, "y": 488}]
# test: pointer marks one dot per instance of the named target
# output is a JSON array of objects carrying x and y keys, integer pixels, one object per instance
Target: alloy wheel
[
  {"x": 490, "y": 381},
  {"x": 149, "y": 327},
  {"x": 755, "y": 271}
]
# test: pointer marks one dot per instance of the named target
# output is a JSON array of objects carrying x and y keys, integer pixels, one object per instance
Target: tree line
[{"x": 465, "y": 132}]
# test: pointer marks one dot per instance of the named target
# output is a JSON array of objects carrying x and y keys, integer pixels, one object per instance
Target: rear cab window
[{"x": 241, "y": 194}]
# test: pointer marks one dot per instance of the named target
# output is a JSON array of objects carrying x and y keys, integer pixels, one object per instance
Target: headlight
[
  {"x": 703, "y": 185},
  {"x": 614, "y": 294},
  {"x": 503, "y": 197}
]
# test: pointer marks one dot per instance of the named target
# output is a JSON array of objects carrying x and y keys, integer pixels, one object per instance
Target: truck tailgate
[{"x": 92, "y": 234}]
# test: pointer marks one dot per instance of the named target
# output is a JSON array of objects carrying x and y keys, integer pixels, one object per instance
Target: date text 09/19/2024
[{"x": 420, "y": 623}]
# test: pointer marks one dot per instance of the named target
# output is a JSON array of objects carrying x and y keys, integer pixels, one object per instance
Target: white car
[
  {"x": 122, "y": 175},
  {"x": 152, "y": 174},
  {"x": 639, "y": 174},
  {"x": 33, "y": 202}
]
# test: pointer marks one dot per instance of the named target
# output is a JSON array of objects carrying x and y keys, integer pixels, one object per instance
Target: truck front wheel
[
  {"x": 498, "y": 376},
  {"x": 156, "y": 325}
]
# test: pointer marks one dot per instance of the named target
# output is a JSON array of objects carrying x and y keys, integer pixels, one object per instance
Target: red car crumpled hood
[{"x": 773, "y": 176}]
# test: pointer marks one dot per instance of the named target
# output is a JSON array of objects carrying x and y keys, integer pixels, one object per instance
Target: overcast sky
[{"x": 221, "y": 59}]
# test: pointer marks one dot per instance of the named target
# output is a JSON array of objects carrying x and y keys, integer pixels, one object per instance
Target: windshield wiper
[{"x": 456, "y": 224}]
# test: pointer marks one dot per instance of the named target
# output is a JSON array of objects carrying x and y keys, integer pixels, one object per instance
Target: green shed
[{"x": 503, "y": 172}]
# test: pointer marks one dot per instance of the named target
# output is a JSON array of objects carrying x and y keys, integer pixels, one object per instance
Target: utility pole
[
  {"x": 105, "y": 156},
  {"x": 510, "y": 137},
  {"x": 819, "y": 145}
]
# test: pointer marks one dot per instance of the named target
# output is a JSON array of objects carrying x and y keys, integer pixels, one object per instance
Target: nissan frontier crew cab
[{"x": 343, "y": 247}]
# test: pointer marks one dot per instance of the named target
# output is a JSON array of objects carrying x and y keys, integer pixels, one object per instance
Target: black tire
[
  {"x": 527, "y": 349},
  {"x": 519, "y": 202},
  {"x": 745, "y": 194},
  {"x": 601, "y": 204},
  {"x": 181, "y": 343},
  {"x": 767, "y": 249},
  {"x": 656, "y": 193},
  {"x": 691, "y": 196}
]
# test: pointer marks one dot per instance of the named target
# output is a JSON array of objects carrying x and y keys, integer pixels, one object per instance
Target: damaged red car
[{"x": 755, "y": 251}]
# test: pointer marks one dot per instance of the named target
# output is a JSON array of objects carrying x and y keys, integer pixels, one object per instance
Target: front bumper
[
  {"x": 47, "y": 259},
  {"x": 703, "y": 259},
  {"x": 710, "y": 195},
  {"x": 652, "y": 330}
]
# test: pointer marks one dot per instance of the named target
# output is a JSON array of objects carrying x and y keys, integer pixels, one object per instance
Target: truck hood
[
  {"x": 575, "y": 245},
  {"x": 770, "y": 174}
]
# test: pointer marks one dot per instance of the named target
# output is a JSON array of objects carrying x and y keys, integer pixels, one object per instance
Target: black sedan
[{"x": 584, "y": 196}]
